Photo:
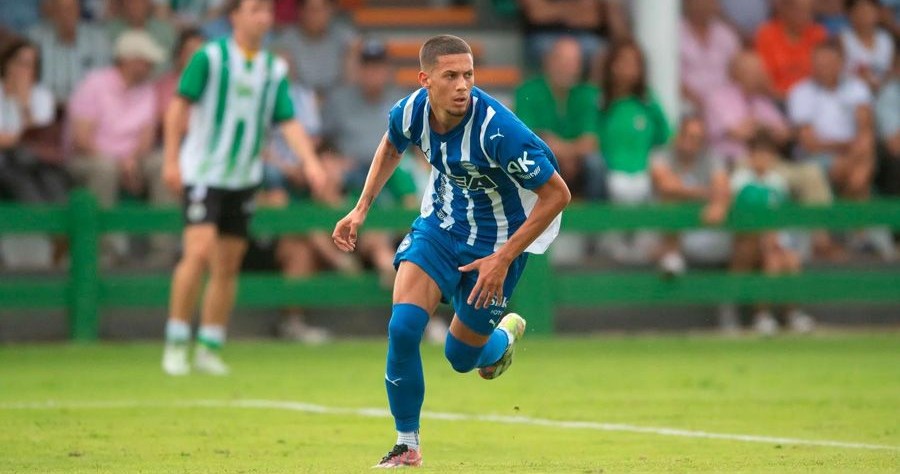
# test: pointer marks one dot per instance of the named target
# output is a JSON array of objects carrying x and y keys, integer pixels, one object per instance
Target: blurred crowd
[{"x": 782, "y": 100}]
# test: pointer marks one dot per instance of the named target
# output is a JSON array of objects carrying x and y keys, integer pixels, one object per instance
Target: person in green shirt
[
  {"x": 562, "y": 110},
  {"x": 758, "y": 187},
  {"x": 631, "y": 124}
]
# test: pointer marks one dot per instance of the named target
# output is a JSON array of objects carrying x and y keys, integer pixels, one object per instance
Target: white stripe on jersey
[
  {"x": 500, "y": 217},
  {"x": 484, "y": 126},
  {"x": 447, "y": 188},
  {"x": 466, "y": 156},
  {"x": 425, "y": 140},
  {"x": 408, "y": 111}
]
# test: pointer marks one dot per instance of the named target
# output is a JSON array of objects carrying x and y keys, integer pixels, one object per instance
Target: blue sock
[
  {"x": 404, "y": 378},
  {"x": 464, "y": 357}
]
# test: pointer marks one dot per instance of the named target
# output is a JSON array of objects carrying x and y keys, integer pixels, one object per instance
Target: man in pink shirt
[
  {"x": 707, "y": 46},
  {"x": 113, "y": 118}
]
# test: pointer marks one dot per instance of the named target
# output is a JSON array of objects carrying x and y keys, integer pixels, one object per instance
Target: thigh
[
  {"x": 484, "y": 320},
  {"x": 433, "y": 254},
  {"x": 414, "y": 285},
  {"x": 229, "y": 254}
]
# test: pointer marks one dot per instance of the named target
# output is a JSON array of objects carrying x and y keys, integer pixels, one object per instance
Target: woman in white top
[
  {"x": 25, "y": 105},
  {"x": 869, "y": 49}
]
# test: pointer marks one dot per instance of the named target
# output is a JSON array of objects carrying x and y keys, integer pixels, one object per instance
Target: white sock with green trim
[{"x": 211, "y": 336}]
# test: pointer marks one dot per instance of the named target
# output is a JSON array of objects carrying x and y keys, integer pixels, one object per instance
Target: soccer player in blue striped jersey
[{"x": 494, "y": 196}]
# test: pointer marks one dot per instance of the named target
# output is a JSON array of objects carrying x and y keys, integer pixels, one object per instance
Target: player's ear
[{"x": 424, "y": 80}]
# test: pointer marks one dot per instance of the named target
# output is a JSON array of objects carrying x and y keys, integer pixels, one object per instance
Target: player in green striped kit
[{"x": 229, "y": 96}]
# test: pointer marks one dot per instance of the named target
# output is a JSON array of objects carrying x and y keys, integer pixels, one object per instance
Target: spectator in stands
[
  {"x": 562, "y": 110},
  {"x": 322, "y": 48},
  {"x": 138, "y": 15},
  {"x": 834, "y": 117},
  {"x": 187, "y": 43},
  {"x": 589, "y": 22},
  {"x": 25, "y": 105},
  {"x": 632, "y": 124},
  {"x": 758, "y": 187},
  {"x": 869, "y": 50},
  {"x": 786, "y": 43},
  {"x": 69, "y": 48},
  {"x": 188, "y": 13},
  {"x": 887, "y": 111},
  {"x": 707, "y": 44},
  {"x": 832, "y": 14},
  {"x": 735, "y": 111},
  {"x": 113, "y": 115},
  {"x": 688, "y": 172}
]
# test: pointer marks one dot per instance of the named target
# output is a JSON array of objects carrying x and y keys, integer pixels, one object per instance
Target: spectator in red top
[{"x": 786, "y": 44}]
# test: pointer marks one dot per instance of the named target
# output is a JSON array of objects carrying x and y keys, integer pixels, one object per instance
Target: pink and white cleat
[{"x": 400, "y": 456}]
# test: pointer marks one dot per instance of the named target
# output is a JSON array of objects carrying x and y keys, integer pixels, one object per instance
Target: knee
[
  {"x": 461, "y": 356},
  {"x": 406, "y": 327}
]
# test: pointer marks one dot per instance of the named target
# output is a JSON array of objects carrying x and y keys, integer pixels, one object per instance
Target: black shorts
[{"x": 229, "y": 209}]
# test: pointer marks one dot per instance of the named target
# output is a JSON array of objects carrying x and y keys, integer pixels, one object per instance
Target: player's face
[
  {"x": 450, "y": 83},
  {"x": 762, "y": 160},
  {"x": 254, "y": 18}
]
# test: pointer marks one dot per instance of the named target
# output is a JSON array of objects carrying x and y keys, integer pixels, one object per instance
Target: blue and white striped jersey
[{"x": 483, "y": 171}]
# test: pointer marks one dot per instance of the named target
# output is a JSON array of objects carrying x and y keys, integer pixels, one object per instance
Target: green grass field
[{"x": 116, "y": 412}]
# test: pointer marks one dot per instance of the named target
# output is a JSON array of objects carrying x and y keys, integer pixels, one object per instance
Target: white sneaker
[
  {"x": 175, "y": 359},
  {"x": 765, "y": 324},
  {"x": 208, "y": 362},
  {"x": 801, "y": 322},
  {"x": 672, "y": 264}
]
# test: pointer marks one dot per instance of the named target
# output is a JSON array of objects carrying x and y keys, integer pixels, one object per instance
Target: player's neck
[
  {"x": 246, "y": 43},
  {"x": 442, "y": 122}
]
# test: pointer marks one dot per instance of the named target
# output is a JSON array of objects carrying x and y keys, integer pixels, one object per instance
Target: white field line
[{"x": 382, "y": 413}]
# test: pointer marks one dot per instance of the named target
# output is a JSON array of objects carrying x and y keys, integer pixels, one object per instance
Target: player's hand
[
  {"x": 345, "y": 232},
  {"x": 317, "y": 179},
  {"x": 714, "y": 214},
  {"x": 171, "y": 176},
  {"x": 491, "y": 276}
]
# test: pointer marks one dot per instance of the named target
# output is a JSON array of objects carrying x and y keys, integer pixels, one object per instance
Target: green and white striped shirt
[{"x": 235, "y": 102}]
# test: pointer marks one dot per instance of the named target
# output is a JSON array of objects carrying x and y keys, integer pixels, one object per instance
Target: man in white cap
[
  {"x": 233, "y": 92},
  {"x": 113, "y": 115}
]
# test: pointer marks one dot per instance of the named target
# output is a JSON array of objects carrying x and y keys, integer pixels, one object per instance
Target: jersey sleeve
[
  {"x": 395, "y": 133},
  {"x": 521, "y": 154},
  {"x": 284, "y": 106},
  {"x": 194, "y": 78}
]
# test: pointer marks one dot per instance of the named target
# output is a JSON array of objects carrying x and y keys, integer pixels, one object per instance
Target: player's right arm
[
  {"x": 387, "y": 157},
  {"x": 190, "y": 88}
]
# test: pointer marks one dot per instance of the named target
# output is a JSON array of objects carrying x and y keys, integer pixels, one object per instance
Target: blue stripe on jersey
[{"x": 482, "y": 168}]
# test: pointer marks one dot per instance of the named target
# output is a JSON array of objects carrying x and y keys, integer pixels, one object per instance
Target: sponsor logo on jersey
[{"x": 522, "y": 167}]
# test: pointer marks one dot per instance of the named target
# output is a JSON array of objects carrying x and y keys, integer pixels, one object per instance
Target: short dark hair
[
  {"x": 831, "y": 44},
  {"x": 762, "y": 140},
  {"x": 850, "y": 4},
  {"x": 12, "y": 49},
  {"x": 233, "y": 5},
  {"x": 186, "y": 35},
  {"x": 441, "y": 45}
]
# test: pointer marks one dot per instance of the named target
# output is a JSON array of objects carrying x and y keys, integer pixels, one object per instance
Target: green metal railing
[{"x": 86, "y": 291}]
